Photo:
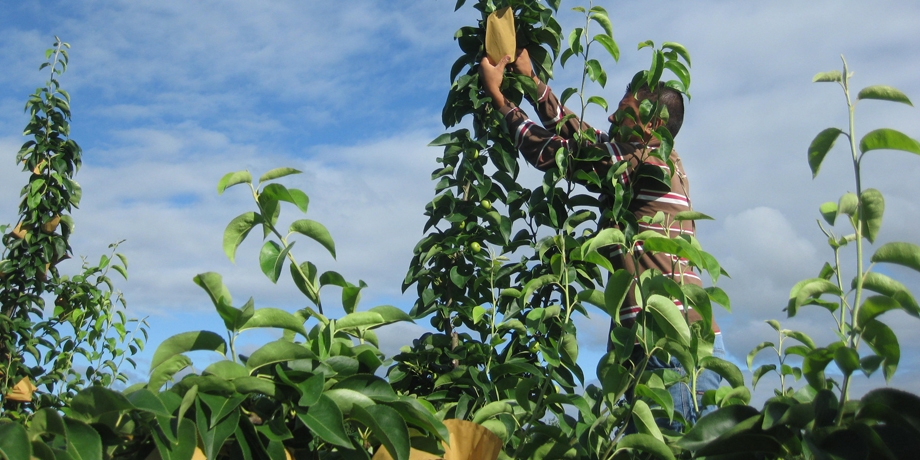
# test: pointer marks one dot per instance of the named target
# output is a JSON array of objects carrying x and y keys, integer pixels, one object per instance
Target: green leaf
[
  {"x": 645, "y": 44},
  {"x": 234, "y": 178},
  {"x": 806, "y": 291},
  {"x": 679, "y": 49},
  {"x": 690, "y": 215},
  {"x": 610, "y": 45},
  {"x": 847, "y": 360},
  {"x": 237, "y": 230},
  {"x": 146, "y": 401},
  {"x": 829, "y": 212},
  {"x": 249, "y": 385},
  {"x": 645, "y": 443},
  {"x": 360, "y": 319},
  {"x": 271, "y": 259},
  {"x": 311, "y": 390},
  {"x": 819, "y": 147},
  {"x": 187, "y": 341},
  {"x": 876, "y": 282},
  {"x": 872, "y": 207},
  {"x": 884, "y": 93},
  {"x": 278, "y": 192},
  {"x": 184, "y": 448},
  {"x": 215, "y": 433},
  {"x": 278, "y": 351},
  {"x": 165, "y": 371},
  {"x": 391, "y": 314},
  {"x": 227, "y": 370},
  {"x": 883, "y": 341},
  {"x": 888, "y": 139},
  {"x": 644, "y": 420},
  {"x": 276, "y": 318},
  {"x": 83, "y": 442},
  {"x": 755, "y": 350},
  {"x": 715, "y": 424},
  {"x": 905, "y": 254},
  {"x": 657, "y": 68},
  {"x": 719, "y": 296},
  {"x": 14, "y": 441},
  {"x": 760, "y": 372},
  {"x": 669, "y": 318},
  {"x": 832, "y": 76},
  {"x": 727, "y": 370},
  {"x": 599, "y": 101},
  {"x": 369, "y": 385},
  {"x": 316, "y": 231},
  {"x": 387, "y": 426},
  {"x": 493, "y": 409},
  {"x": 874, "y": 306},
  {"x": 600, "y": 16},
  {"x": 325, "y": 420},
  {"x": 276, "y": 173},
  {"x": 605, "y": 237},
  {"x": 213, "y": 284},
  {"x": 94, "y": 401},
  {"x": 660, "y": 396}
]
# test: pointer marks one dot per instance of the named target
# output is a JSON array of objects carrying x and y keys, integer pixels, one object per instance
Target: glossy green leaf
[
  {"x": 83, "y": 442},
  {"x": 184, "y": 448},
  {"x": 644, "y": 420},
  {"x": 875, "y": 306},
  {"x": 271, "y": 261},
  {"x": 888, "y": 139},
  {"x": 691, "y": 215},
  {"x": 220, "y": 406},
  {"x": 164, "y": 372},
  {"x": 883, "y": 341},
  {"x": 829, "y": 212},
  {"x": 884, "y": 285},
  {"x": 807, "y": 290},
  {"x": 726, "y": 369},
  {"x": 277, "y": 173},
  {"x": 311, "y": 389},
  {"x": 645, "y": 443},
  {"x": 493, "y": 409},
  {"x": 346, "y": 399},
  {"x": 415, "y": 413},
  {"x": 884, "y": 93},
  {"x": 45, "y": 421},
  {"x": 213, "y": 284},
  {"x": 847, "y": 359},
  {"x": 215, "y": 433},
  {"x": 760, "y": 372},
  {"x": 278, "y": 192},
  {"x": 819, "y": 147},
  {"x": 369, "y": 385},
  {"x": 316, "y": 231},
  {"x": 906, "y": 254},
  {"x": 237, "y": 230},
  {"x": 679, "y": 49},
  {"x": 387, "y": 426},
  {"x": 14, "y": 441},
  {"x": 610, "y": 45},
  {"x": 278, "y": 351},
  {"x": 755, "y": 350},
  {"x": 600, "y": 16},
  {"x": 715, "y": 424},
  {"x": 832, "y": 76},
  {"x": 391, "y": 314},
  {"x": 669, "y": 318},
  {"x": 872, "y": 207},
  {"x": 719, "y": 296},
  {"x": 234, "y": 178},
  {"x": 227, "y": 370},
  {"x": 801, "y": 337},
  {"x": 360, "y": 319},
  {"x": 605, "y": 237},
  {"x": 185, "y": 342},
  {"x": 250, "y": 385},
  {"x": 618, "y": 285},
  {"x": 656, "y": 69},
  {"x": 813, "y": 367},
  {"x": 599, "y": 101},
  {"x": 274, "y": 318},
  {"x": 94, "y": 401}
]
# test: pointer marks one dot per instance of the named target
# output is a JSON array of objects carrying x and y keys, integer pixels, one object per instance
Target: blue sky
[{"x": 169, "y": 95}]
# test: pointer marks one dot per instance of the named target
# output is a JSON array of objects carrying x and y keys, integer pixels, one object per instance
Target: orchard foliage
[{"x": 501, "y": 274}]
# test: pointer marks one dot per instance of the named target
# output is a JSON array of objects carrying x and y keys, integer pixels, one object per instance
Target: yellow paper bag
[
  {"x": 500, "y": 36},
  {"x": 468, "y": 441},
  {"x": 22, "y": 391}
]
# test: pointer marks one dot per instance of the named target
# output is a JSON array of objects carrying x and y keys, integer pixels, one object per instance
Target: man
[{"x": 630, "y": 141}]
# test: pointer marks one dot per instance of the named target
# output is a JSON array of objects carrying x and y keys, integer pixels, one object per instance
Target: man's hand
[
  {"x": 491, "y": 76},
  {"x": 523, "y": 65}
]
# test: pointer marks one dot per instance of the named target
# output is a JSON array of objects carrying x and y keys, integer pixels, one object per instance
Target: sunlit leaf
[
  {"x": 669, "y": 318},
  {"x": 882, "y": 284},
  {"x": 274, "y": 318},
  {"x": 832, "y": 76},
  {"x": 234, "y": 178},
  {"x": 755, "y": 350},
  {"x": 599, "y": 101},
  {"x": 727, "y": 370},
  {"x": 387, "y": 426},
  {"x": 645, "y": 443},
  {"x": 847, "y": 359},
  {"x": 185, "y": 342},
  {"x": 906, "y": 254},
  {"x": 279, "y": 192},
  {"x": 316, "y": 231},
  {"x": 885, "y": 93},
  {"x": 278, "y": 351},
  {"x": 819, "y": 147},
  {"x": 237, "y": 230},
  {"x": 610, "y": 45},
  {"x": 276, "y": 173},
  {"x": 644, "y": 420},
  {"x": 888, "y": 139},
  {"x": 883, "y": 341},
  {"x": 325, "y": 420},
  {"x": 828, "y": 210}
]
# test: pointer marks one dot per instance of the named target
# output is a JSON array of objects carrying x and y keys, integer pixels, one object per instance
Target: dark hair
[{"x": 670, "y": 97}]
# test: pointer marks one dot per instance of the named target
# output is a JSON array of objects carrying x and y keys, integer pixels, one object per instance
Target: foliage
[
  {"x": 87, "y": 325},
  {"x": 504, "y": 269}
]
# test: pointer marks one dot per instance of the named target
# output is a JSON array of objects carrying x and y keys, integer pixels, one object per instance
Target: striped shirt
[{"x": 539, "y": 144}]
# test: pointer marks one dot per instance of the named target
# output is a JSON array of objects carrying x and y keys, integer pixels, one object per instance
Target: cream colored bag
[{"x": 500, "y": 36}]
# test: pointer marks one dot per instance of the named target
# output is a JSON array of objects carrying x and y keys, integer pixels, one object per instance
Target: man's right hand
[
  {"x": 491, "y": 76},
  {"x": 523, "y": 65}
]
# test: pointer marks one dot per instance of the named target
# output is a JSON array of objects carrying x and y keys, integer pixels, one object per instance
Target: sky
[{"x": 170, "y": 95}]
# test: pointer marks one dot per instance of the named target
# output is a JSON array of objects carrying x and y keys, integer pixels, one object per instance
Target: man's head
[{"x": 672, "y": 99}]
